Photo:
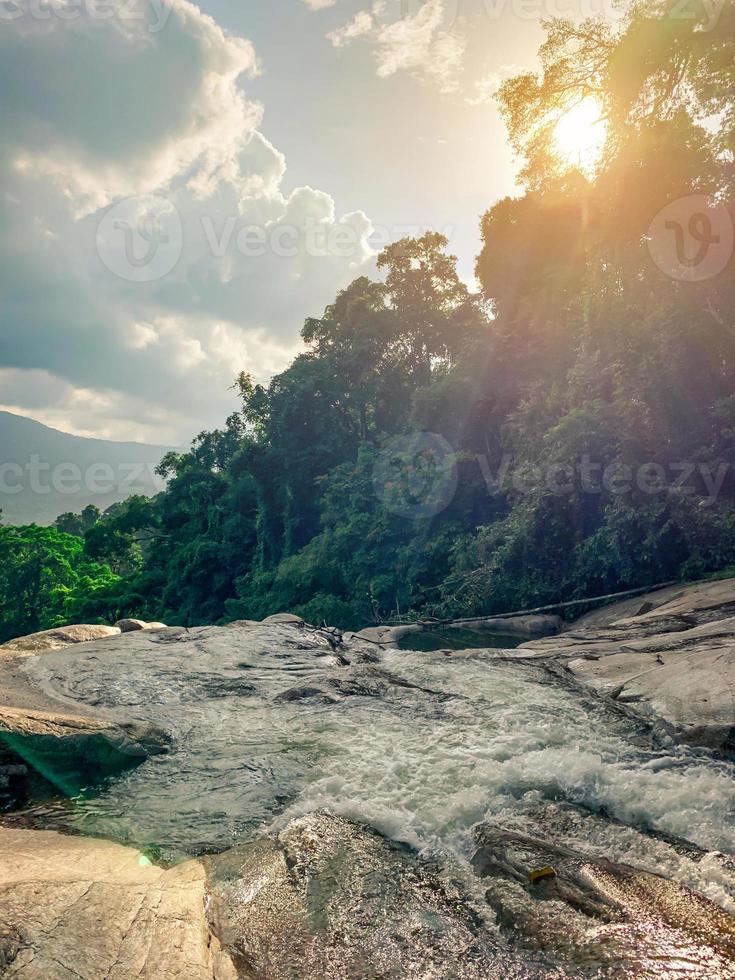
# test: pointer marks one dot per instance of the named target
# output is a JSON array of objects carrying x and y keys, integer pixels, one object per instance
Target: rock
[
  {"x": 513, "y": 625},
  {"x": 330, "y": 900},
  {"x": 130, "y": 625},
  {"x": 73, "y": 752},
  {"x": 135, "y": 625},
  {"x": 613, "y": 918},
  {"x": 304, "y": 694},
  {"x": 705, "y": 601},
  {"x": 57, "y": 639},
  {"x": 386, "y": 636},
  {"x": 284, "y": 619},
  {"x": 73, "y": 907},
  {"x": 669, "y": 656}
]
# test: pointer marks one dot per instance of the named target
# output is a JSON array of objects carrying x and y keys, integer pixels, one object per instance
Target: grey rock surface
[{"x": 674, "y": 661}]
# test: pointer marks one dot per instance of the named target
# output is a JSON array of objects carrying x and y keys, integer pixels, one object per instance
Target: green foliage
[
  {"x": 44, "y": 575},
  {"x": 78, "y": 524}
]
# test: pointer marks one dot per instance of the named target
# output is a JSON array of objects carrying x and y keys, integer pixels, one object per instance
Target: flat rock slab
[
  {"x": 71, "y": 746},
  {"x": 675, "y": 661},
  {"x": 71, "y": 907},
  {"x": 705, "y": 601}
]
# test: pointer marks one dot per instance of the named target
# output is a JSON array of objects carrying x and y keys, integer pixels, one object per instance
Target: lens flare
[{"x": 580, "y": 135}]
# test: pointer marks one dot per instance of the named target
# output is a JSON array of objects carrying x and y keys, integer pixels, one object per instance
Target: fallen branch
[{"x": 539, "y": 610}]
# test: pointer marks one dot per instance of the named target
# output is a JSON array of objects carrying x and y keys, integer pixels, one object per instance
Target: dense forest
[{"x": 587, "y": 392}]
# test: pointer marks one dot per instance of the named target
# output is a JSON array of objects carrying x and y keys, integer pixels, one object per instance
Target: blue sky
[{"x": 181, "y": 185}]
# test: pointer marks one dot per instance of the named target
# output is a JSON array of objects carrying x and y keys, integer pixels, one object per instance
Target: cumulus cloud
[
  {"x": 420, "y": 41},
  {"x": 127, "y": 139}
]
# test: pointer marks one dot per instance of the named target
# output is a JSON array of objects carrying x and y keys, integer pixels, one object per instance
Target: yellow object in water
[{"x": 539, "y": 875}]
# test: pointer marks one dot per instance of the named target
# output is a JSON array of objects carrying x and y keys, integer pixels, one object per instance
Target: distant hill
[{"x": 44, "y": 472}]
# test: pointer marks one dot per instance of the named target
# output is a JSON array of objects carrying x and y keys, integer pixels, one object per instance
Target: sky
[{"x": 182, "y": 185}]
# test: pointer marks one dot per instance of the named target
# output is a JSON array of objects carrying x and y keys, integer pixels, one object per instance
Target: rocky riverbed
[{"x": 270, "y": 800}]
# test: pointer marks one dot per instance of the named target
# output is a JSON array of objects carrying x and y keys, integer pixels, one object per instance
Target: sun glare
[{"x": 580, "y": 134}]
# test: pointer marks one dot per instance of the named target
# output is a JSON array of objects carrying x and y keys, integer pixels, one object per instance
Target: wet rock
[
  {"x": 72, "y": 907},
  {"x": 601, "y": 916},
  {"x": 330, "y": 900},
  {"x": 73, "y": 752},
  {"x": 304, "y": 694},
  {"x": 56, "y": 639}
]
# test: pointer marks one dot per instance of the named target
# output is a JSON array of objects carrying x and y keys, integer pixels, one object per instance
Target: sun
[{"x": 580, "y": 134}]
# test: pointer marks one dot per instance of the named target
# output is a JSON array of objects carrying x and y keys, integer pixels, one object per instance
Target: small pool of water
[{"x": 461, "y": 639}]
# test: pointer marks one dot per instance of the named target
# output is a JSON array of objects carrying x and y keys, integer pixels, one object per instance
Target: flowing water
[{"x": 422, "y": 745}]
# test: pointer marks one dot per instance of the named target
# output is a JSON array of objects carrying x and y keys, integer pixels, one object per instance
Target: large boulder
[
  {"x": 386, "y": 636},
  {"x": 534, "y": 625},
  {"x": 284, "y": 619},
  {"x": 73, "y": 907},
  {"x": 73, "y": 752},
  {"x": 136, "y": 625},
  {"x": 56, "y": 639},
  {"x": 614, "y": 919},
  {"x": 330, "y": 900}
]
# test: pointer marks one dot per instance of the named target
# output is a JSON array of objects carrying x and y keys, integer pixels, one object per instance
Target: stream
[{"x": 268, "y": 724}]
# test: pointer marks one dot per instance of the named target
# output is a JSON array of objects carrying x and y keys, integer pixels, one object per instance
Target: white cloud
[
  {"x": 100, "y": 110},
  {"x": 361, "y": 25},
  {"x": 419, "y": 42},
  {"x": 319, "y": 4}
]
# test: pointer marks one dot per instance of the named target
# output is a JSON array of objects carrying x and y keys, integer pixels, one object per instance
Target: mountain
[{"x": 44, "y": 472}]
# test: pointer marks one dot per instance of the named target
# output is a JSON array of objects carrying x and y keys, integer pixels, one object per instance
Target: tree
[
  {"x": 43, "y": 574},
  {"x": 78, "y": 524}
]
